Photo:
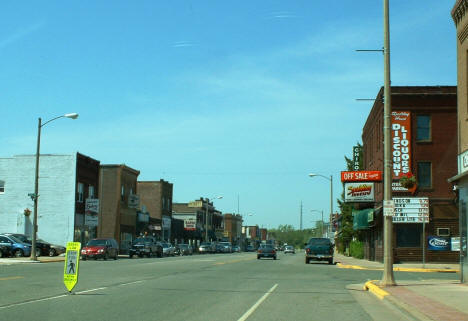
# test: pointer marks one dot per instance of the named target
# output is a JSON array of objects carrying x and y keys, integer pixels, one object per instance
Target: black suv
[{"x": 145, "y": 246}]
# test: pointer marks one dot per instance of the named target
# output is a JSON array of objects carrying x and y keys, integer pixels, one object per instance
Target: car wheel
[
  {"x": 258, "y": 257},
  {"x": 130, "y": 255},
  {"x": 307, "y": 260},
  {"x": 106, "y": 256},
  {"x": 52, "y": 252},
  {"x": 83, "y": 258},
  {"x": 330, "y": 261},
  {"x": 274, "y": 257},
  {"x": 1, "y": 253},
  {"x": 18, "y": 253},
  {"x": 38, "y": 252}
]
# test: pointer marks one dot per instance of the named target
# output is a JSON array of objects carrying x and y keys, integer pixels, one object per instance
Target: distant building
[
  {"x": 156, "y": 198},
  {"x": 119, "y": 204},
  {"x": 233, "y": 228},
  {"x": 68, "y": 203}
]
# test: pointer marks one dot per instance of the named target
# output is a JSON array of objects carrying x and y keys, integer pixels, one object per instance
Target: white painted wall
[{"x": 56, "y": 206}]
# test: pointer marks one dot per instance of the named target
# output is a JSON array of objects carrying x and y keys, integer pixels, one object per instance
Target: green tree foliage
[{"x": 286, "y": 234}]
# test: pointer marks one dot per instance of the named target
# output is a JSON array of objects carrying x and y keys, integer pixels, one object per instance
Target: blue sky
[{"x": 235, "y": 98}]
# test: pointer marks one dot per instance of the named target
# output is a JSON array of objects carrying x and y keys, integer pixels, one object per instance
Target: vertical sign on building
[
  {"x": 401, "y": 143},
  {"x": 357, "y": 151}
]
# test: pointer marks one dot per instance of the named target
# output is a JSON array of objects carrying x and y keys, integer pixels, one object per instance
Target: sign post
[{"x": 72, "y": 258}]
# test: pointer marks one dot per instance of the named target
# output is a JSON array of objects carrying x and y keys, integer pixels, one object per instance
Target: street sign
[
  {"x": 388, "y": 208},
  {"x": 72, "y": 258},
  {"x": 411, "y": 210}
]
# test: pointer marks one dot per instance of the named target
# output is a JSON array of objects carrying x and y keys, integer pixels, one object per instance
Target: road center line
[
  {"x": 12, "y": 278},
  {"x": 256, "y": 305}
]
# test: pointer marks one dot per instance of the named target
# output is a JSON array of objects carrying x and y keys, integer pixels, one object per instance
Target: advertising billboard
[
  {"x": 359, "y": 192},
  {"x": 401, "y": 143},
  {"x": 361, "y": 176},
  {"x": 411, "y": 210}
]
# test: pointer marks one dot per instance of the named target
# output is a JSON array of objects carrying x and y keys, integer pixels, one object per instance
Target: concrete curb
[
  {"x": 384, "y": 295},
  {"x": 357, "y": 267}
]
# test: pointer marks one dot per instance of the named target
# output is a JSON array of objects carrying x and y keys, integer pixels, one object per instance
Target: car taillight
[
  {"x": 307, "y": 250},
  {"x": 274, "y": 252},
  {"x": 259, "y": 251}
]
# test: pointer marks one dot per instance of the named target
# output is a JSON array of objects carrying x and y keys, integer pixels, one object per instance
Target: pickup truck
[{"x": 320, "y": 249}]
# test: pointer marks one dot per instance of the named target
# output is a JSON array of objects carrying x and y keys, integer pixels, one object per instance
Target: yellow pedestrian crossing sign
[{"x": 72, "y": 259}]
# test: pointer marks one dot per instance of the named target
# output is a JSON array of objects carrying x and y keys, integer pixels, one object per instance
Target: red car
[{"x": 100, "y": 248}]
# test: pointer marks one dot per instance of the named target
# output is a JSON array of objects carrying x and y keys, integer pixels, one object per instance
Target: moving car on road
[
  {"x": 225, "y": 247},
  {"x": 168, "y": 249},
  {"x": 185, "y": 249},
  {"x": 100, "y": 248},
  {"x": 289, "y": 249},
  {"x": 320, "y": 249},
  {"x": 266, "y": 250}
]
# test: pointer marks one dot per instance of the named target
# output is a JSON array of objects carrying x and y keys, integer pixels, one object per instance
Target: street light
[
  {"x": 331, "y": 189},
  {"x": 206, "y": 215},
  {"x": 35, "y": 196},
  {"x": 321, "y": 226}
]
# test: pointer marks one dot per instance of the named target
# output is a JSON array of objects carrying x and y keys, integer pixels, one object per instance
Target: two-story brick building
[{"x": 426, "y": 147}]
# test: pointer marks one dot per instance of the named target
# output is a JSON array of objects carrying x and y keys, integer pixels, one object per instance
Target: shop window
[
  {"x": 424, "y": 175},
  {"x": 423, "y": 128},
  {"x": 80, "y": 188},
  {"x": 91, "y": 191},
  {"x": 2, "y": 187},
  {"x": 408, "y": 235}
]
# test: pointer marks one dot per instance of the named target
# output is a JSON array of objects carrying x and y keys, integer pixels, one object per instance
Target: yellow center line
[
  {"x": 233, "y": 261},
  {"x": 12, "y": 278}
]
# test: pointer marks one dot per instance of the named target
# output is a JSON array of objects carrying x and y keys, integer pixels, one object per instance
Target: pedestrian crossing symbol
[{"x": 72, "y": 257}]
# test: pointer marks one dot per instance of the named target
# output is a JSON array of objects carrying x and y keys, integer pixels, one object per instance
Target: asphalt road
[{"x": 202, "y": 287}]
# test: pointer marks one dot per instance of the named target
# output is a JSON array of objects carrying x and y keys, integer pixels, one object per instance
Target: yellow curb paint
[
  {"x": 12, "y": 278},
  {"x": 375, "y": 289},
  {"x": 357, "y": 267}
]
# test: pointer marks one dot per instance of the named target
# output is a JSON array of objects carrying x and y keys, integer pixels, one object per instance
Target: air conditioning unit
[{"x": 443, "y": 231}]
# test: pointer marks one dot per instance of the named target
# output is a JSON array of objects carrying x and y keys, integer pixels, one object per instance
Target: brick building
[
  {"x": 119, "y": 203},
  {"x": 156, "y": 198},
  {"x": 460, "y": 17},
  {"x": 430, "y": 113},
  {"x": 233, "y": 228}
]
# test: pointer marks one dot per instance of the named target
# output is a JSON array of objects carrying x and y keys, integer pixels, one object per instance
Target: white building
[{"x": 57, "y": 196}]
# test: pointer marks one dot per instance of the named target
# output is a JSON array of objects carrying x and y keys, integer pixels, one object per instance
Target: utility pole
[
  {"x": 300, "y": 218},
  {"x": 387, "y": 278}
]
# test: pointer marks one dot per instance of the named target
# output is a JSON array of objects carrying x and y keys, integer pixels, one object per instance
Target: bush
[{"x": 356, "y": 249}]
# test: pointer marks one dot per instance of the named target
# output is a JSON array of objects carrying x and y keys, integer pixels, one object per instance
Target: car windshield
[
  {"x": 266, "y": 246},
  {"x": 183, "y": 246},
  {"x": 97, "y": 243},
  {"x": 289, "y": 247},
  {"x": 164, "y": 245},
  {"x": 20, "y": 237},
  {"x": 319, "y": 241},
  {"x": 14, "y": 239}
]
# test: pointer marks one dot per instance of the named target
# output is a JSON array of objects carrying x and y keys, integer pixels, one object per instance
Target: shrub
[{"x": 356, "y": 249}]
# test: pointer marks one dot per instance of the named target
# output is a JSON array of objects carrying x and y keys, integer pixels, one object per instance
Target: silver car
[
  {"x": 168, "y": 249},
  {"x": 205, "y": 248},
  {"x": 289, "y": 249}
]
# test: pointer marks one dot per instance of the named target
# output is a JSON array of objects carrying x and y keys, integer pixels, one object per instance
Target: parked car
[
  {"x": 289, "y": 249},
  {"x": 145, "y": 246},
  {"x": 205, "y": 248},
  {"x": 185, "y": 249},
  {"x": 54, "y": 249},
  {"x": 236, "y": 248},
  {"x": 250, "y": 248},
  {"x": 44, "y": 248},
  {"x": 168, "y": 249},
  {"x": 266, "y": 250},
  {"x": 320, "y": 249},
  {"x": 225, "y": 247},
  {"x": 5, "y": 250},
  {"x": 17, "y": 248},
  {"x": 100, "y": 248},
  {"x": 176, "y": 250}
]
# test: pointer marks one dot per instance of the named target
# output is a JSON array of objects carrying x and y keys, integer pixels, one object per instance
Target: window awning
[{"x": 361, "y": 218}]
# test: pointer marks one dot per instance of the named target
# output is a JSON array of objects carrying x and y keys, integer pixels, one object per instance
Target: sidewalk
[
  {"x": 443, "y": 300},
  {"x": 40, "y": 259}
]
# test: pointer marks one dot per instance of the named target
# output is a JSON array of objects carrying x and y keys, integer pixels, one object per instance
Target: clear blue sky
[{"x": 233, "y": 98}]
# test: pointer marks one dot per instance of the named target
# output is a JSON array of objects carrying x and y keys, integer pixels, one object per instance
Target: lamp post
[
  {"x": 331, "y": 189},
  {"x": 35, "y": 196},
  {"x": 206, "y": 215},
  {"x": 321, "y": 226}
]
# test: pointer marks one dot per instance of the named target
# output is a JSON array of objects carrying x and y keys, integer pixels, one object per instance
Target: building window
[
  {"x": 408, "y": 235},
  {"x": 2, "y": 187},
  {"x": 91, "y": 191},
  {"x": 424, "y": 175},
  {"x": 423, "y": 128},
  {"x": 80, "y": 192},
  {"x": 122, "y": 193}
]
